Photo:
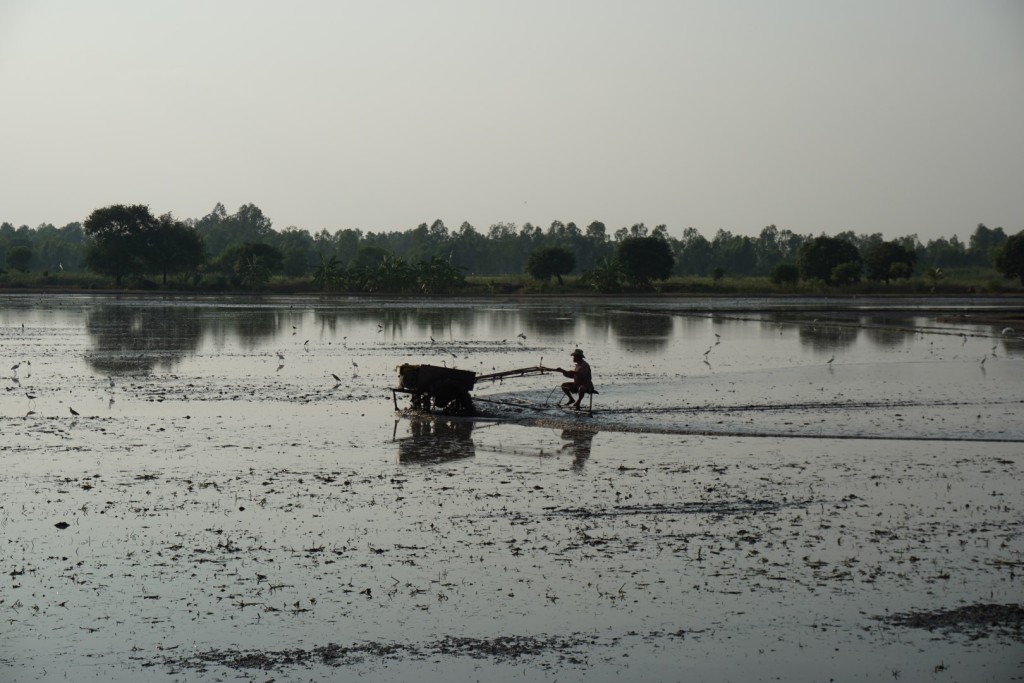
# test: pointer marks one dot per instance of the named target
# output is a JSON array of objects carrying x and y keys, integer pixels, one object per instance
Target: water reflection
[
  {"x": 135, "y": 340},
  {"x": 579, "y": 443},
  {"x": 435, "y": 440},
  {"x": 548, "y": 322},
  {"x": 828, "y": 336},
  {"x": 888, "y": 331},
  {"x": 1011, "y": 339},
  {"x": 649, "y": 332},
  {"x": 253, "y": 326}
]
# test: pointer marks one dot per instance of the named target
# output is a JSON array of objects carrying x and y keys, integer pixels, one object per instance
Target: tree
[
  {"x": 298, "y": 249},
  {"x": 469, "y": 249},
  {"x": 888, "y": 260},
  {"x": 734, "y": 253},
  {"x": 392, "y": 274},
  {"x": 550, "y": 261},
  {"x": 1009, "y": 257},
  {"x": 643, "y": 259},
  {"x": 222, "y": 231},
  {"x": 819, "y": 257},
  {"x": 251, "y": 264},
  {"x": 943, "y": 253},
  {"x": 438, "y": 276},
  {"x": 253, "y": 271},
  {"x": 329, "y": 275},
  {"x": 593, "y": 245},
  {"x": 119, "y": 235},
  {"x": 369, "y": 257},
  {"x": 693, "y": 253},
  {"x": 605, "y": 276},
  {"x": 785, "y": 274},
  {"x": 846, "y": 273},
  {"x": 19, "y": 257},
  {"x": 983, "y": 244},
  {"x": 934, "y": 275},
  {"x": 174, "y": 247}
]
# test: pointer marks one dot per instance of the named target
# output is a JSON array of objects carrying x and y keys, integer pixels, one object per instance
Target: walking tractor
[{"x": 446, "y": 390}]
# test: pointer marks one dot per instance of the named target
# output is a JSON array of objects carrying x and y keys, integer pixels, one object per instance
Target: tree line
[{"x": 242, "y": 250}]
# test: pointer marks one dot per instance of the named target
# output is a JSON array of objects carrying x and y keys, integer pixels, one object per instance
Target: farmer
[{"x": 582, "y": 381}]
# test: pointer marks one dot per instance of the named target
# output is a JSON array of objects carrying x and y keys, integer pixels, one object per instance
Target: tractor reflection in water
[{"x": 435, "y": 440}]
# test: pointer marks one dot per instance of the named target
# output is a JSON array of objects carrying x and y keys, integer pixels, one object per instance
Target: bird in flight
[{"x": 336, "y": 378}]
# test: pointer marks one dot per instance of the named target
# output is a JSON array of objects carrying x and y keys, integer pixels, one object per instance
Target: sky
[{"x": 898, "y": 117}]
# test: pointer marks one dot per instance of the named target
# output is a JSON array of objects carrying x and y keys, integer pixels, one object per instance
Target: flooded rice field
[{"x": 221, "y": 489}]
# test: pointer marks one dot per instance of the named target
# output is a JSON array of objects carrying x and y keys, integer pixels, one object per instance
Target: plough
[{"x": 447, "y": 389}]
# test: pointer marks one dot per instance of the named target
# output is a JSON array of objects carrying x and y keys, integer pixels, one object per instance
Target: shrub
[
  {"x": 846, "y": 273},
  {"x": 785, "y": 274}
]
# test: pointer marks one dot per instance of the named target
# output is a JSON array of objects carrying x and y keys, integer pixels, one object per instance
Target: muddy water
[{"x": 737, "y": 507}]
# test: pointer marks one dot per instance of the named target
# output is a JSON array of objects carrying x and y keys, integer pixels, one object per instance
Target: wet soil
[{"x": 218, "y": 514}]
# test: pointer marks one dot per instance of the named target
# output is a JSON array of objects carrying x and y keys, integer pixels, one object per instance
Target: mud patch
[
  {"x": 509, "y": 648},
  {"x": 737, "y": 507},
  {"x": 973, "y": 621}
]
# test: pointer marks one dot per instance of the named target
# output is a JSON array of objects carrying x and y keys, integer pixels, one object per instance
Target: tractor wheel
[{"x": 451, "y": 399}]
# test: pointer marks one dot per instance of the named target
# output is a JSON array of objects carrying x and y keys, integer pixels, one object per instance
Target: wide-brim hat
[{"x": 576, "y": 354}]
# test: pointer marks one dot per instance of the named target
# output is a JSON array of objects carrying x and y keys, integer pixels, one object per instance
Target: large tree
[
  {"x": 983, "y": 243},
  {"x": 119, "y": 239},
  {"x": 221, "y": 231},
  {"x": 19, "y": 257},
  {"x": 819, "y": 257},
  {"x": 550, "y": 261},
  {"x": 255, "y": 263},
  {"x": 888, "y": 260},
  {"x": 693, "y": 253},
  {"x": 643, "y": 259},
  {"x": 174, "y": 247},
  {"x": 1009, "y": 257}
]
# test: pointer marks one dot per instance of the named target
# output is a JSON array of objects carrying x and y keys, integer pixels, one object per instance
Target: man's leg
[
  {"x": 579, "y": 401},
  {"x": 568, "y": 388}
]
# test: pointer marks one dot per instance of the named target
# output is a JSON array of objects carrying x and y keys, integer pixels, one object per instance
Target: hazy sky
[{"x": 891, "y": 116}]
